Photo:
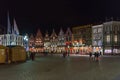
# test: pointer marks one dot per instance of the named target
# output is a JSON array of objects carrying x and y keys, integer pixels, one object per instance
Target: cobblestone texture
[{"x": 59, "y": 68}]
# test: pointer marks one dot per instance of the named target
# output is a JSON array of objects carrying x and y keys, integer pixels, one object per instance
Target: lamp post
[{"x": 26, "y": 42}]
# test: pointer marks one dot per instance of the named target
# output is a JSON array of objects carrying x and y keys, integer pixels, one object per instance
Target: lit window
[
  {"x": 108, "y": 38},
  {"x": 95, "y": 31},
  {"x": 94, "y": 43},
  {"x": 115, "y": 38},
  {"x": 99, "y": 30}
]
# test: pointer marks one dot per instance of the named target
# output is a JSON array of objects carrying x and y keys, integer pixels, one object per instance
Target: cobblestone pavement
[{"x": 59, "y": 68}]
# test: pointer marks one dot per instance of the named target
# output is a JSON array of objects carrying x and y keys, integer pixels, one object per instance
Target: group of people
[{"x": 96, "y": 55}]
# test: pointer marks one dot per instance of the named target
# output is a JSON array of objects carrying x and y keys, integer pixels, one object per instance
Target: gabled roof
[
  {"x": 61, "y": 33},
  {"x": 68, "y": 32},
  {"x": 39, "y": 34},
  {"x": 31, "y": 37},
  {"x": 53, "y": 34}
]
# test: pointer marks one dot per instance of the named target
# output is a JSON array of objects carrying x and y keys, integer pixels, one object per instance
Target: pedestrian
[
  {"x": 32, "y": 56},
  {"x": 100, "y": 53},
  {"x": 64, "y": 54},
  {"x": 97, "y": 56},
  {"x": 90, "y": 55},
  {"x": 94, "y": 58}
]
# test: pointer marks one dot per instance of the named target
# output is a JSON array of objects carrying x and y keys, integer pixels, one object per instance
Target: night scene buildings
[
  {"x": 11, "y": 37},
  {"x": 84, "y": 39},
  {"x": 61, "y": 40},
  {"x": 47, "y": 42},
  {"x": 52, "y": 43},
  {"x": 103, "y": 38},
  {"x": 111, "y": 37},
  {"x": 106, "y": 37}
]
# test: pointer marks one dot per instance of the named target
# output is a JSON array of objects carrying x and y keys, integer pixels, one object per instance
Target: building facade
[
  {"x": 53, "y": 42},
  {"x": 97, "y": 38},
  {"x": 106, "y": 37},
  {"x": 82, "y": 39},
  {"x": 61, "y": 41},
  {"x": 47, "y": 44},
  {"x": 39, "y": 45},
  {"x": 11, "y": 40},
  {"x": 10, "y": 36},
  {"x": 31, "y": 43},
  {"x": 111, "y": 38},
  {"x": 68, "y": 43}
]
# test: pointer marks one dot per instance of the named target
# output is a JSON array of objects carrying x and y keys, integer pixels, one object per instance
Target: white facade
[
  {"x": 111, "y": 37},
  {"x": 106, "y": 37},
  {"x": 97, "y": 37},
  {"x": 11, "y": 40}
]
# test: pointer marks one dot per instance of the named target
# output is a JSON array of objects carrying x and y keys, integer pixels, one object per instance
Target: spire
[
  {"x": 68, "y": 33},
  {"x": 8, "y": 24},
  {"x": 61, "y": 32},
  {"x": 39, "y": 34},
  {"x": 46, "y": 38},
  {"x": 53, "y": 34},
  {"x": 31, "y": 37},
  {"x": 16, "y": 31},
  {"x": 46, "y": 34},
  {"x": 31, "y": 40}
]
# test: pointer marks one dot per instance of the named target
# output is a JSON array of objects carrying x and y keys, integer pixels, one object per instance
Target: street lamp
[{"x": 26, "y": 42}]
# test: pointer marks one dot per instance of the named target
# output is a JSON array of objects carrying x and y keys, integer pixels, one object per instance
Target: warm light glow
[
  {"x": 115, "y": 38},
  {"x": 108, "y": 38}
]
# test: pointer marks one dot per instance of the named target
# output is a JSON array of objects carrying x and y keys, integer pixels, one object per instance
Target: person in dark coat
[
  {"x": 64, "y": 54},
  {"x": 97, "y": 56},
  {"x": 90, "y": 55},
  {"x": 100, "y": 53},
  {"x": 32, "y": 56},
  {"x": 94, "y": 56}
]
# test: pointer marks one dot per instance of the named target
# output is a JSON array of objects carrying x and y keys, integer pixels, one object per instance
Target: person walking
[
  {"x": 94, "y": 58},
  {"x": 97, "y": 56},
  {"x": 64, "y": 54},
  {"x": 32, "y": 56},
  {"x": 90, "y": 55}
]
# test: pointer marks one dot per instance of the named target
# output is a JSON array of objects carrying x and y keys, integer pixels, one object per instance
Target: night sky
[{"x": 48, "y": 14}]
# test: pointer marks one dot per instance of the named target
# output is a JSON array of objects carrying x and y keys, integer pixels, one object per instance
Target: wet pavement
[{"x": 59, "y": 68}]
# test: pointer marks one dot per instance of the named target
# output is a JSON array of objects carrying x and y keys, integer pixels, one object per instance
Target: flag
[
  {"x": 8, "y": 25},
  {"x": 16, "y": 31},
  {"x": 12, "y": 30}
]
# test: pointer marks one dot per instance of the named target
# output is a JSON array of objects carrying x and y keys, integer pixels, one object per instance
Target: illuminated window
[
  {"x": 115, "y": 38},
  {"x": 94, "y": 43},
  {"x": 108, "y": 38},
  {"x": 95, "y": 31},
  {"x": 99, "y": 30}
]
